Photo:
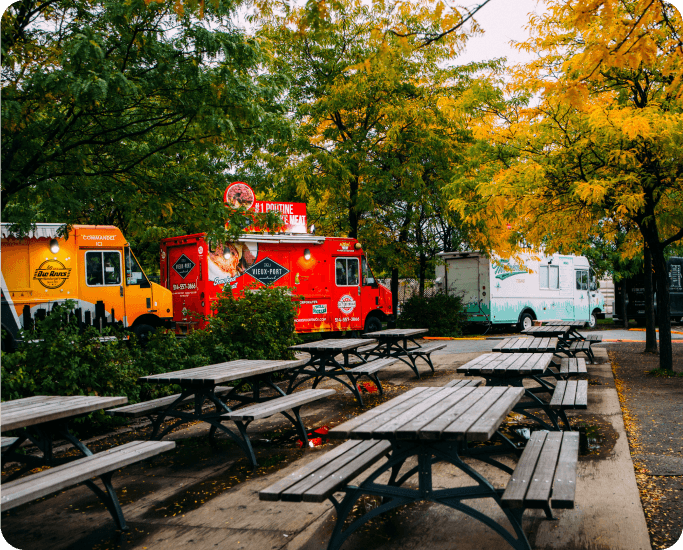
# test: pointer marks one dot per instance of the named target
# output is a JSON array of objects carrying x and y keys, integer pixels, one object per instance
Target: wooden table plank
[
  {"x": 221, "y": 372},
  {"x": 344, "y": 430},
  {"x": 339, "y": 345},
  {"x": 564, "y": 485},
  {"x": 518, "y": 487},
  {"x": 541, "y": 486},
  {"x": 388, "y": 429},
  {"x": 412, "y": 429},
  {"x": 468, "y": 418},
  {"x": 487, "y": 424},
  {"x": 61, "y": 407},
  {"x": 367, "y": 430},
  {"x": 395, "y": 333}
]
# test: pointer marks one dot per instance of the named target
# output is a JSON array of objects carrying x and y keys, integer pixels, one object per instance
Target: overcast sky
[{"x": 502, "y": 21}]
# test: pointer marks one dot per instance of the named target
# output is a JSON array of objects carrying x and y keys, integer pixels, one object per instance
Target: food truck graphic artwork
[
  {"x": 533, "y": 287},
  {"x": 330, "y": 273},
  {"x": 94, "y": 266}
]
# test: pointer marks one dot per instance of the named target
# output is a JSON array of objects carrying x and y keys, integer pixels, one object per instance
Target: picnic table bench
[
  {"x": 42, "y": 420},
  {"x": 323, "y": 364},
  {"x": 527, "y": 345},
  {"x": 82, "y": 470},
  {"x": 432, "y": 425},
  {"x": 401, "y": 343},
  {"x": 514, "y": 369},
  {"x": 202, "y": 385}
]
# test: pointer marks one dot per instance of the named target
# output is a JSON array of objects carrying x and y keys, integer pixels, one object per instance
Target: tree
[
  {"x": 601, "y": 151},
  {"x": 381, "y": 115},
  {"x": 128, "y": 113}
]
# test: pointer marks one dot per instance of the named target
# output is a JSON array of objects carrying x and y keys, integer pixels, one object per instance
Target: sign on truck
[
  {"x": 500, "y": 291},
  {"x": 94, "y": 266}
]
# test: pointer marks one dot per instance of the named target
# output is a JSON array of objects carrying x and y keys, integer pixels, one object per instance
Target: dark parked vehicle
[{"x": 635, "y": 294}]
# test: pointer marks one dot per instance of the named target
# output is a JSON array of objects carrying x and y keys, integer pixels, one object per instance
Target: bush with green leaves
[
  {"x": 57, "y": 358},
  {"x": 257, "y": 325},
  {"x": 442, "y": 314}
]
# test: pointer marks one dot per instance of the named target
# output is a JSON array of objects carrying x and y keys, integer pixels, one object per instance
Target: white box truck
[{"x": 499, "y": 291}]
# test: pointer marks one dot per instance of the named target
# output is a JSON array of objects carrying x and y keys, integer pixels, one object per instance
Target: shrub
[
  {"x": 442, "y": 314},
  {"x": 63, "y": 360},
  {"x": 258, "y": 325}
]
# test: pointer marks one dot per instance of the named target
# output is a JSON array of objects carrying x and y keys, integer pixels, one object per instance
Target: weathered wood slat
[
  {"x": 329, "y": 484},
  {"x": 541, "y": 485},
  {"x": 558, "y": 395},
  {"x": 459, "y": 383},
  {"x": 469, "y": 417},
  {"x": 569, "y": 394},
  {"x": 435, "y": 428},
  {"x": 61, "y": 408},
  {"x": 137, "y": 410},
  {"x": 49, "y": 481},
  {"x": 426, "y": 349},
  {"x": 279, "y": 404},
  {"x": 321, "y": 483},
  {"x": 343, "y": 430},
  {"x": 372, "y": 367},
  {"x": 518, "y": 485},
  {"x": 564, "y": 483},
  {"x": 367, "y": 430},
  {"x": 487, "y": 424},
  {"x": 274, "y": 491},
  {"x": 389, "y": 428}
]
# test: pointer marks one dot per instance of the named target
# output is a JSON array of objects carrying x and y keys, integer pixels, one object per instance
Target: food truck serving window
[
  {"x": 549, "y": 276},
  {"x": 346, "y": 271},
  {"x": 103, "y": 268}
]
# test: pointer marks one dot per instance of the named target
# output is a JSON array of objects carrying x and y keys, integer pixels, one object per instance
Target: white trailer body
[{"x": 537, "y": 287}]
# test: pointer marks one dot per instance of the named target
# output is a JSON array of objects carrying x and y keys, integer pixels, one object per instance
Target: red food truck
[{"x": 331, "y": 273}]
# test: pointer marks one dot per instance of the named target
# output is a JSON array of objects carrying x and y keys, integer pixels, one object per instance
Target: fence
[{"x": 411, "y": 287}]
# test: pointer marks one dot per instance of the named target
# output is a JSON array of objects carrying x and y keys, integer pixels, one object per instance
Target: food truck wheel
[
  {"x": 526, "y": 321},
  {"x": 592, "y": 320},
  {"x": 372, "y": 324},
  {"x": 143, "y": 332}
]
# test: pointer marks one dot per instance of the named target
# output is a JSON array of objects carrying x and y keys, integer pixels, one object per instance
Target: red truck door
[
  {"x": 183, "y": 269},
  {"x": 348, "y": 314}
]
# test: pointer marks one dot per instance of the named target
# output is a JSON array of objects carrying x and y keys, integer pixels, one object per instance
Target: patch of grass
[{"x": 663, "y": 373}]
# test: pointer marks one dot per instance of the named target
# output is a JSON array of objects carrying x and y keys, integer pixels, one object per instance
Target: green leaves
[{"x": 139, "y": 110}]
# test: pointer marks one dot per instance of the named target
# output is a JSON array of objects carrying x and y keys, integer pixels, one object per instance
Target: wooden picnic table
[
  {"x": 527, "y": 345},
  {"x": 200, "y": 385},
  {"x": 323, "y": 363},
  {"x": 396, "y": 342},
  {"x": 431, "y": 425},
  {"x": 44, "y": 419},
  {"x": 561, "y": 331},
  {"x": 547, "y": 373}
]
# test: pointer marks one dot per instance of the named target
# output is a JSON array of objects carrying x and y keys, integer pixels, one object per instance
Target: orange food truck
[
  {"x": 94, "y": 266},
  {"x": 331, "y": 273}
]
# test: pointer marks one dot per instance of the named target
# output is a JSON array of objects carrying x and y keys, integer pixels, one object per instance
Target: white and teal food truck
[{"x": 499, "y": 291}]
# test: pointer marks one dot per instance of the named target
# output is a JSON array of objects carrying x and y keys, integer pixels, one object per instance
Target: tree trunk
[
  {"x": 394, "y": 294},
  {"x": 423, "y": 269},
  {"x": 650, "y": 332},
  {"x": 663, "y": 308},
  {"x": 622, "y": 305}
]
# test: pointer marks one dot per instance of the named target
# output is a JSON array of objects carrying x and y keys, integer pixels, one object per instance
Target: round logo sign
[
  {"x": 163, "y": 254},
  {"x": 52, "y": 274},
  {"x": 346, "y": 304},
  {"x": 239, "y": 194},
  {"x": 200, "y": 250}
]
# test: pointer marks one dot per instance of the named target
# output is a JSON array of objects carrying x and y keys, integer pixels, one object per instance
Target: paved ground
[
  {"x": 195, "y": 497},
  {"x": 653, "y": 411}
]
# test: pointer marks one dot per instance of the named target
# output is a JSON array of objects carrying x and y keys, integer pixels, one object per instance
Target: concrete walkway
[{"x": 196, "y": 497}]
